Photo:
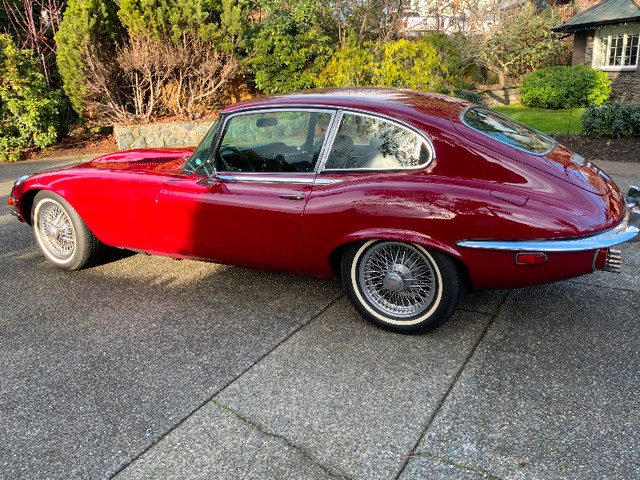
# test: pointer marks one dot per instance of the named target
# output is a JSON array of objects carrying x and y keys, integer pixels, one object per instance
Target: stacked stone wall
[
  {"x": 504, "y": 96},
  {"x": 160, "y": 135},
  {"x": 625, "y": 86}
]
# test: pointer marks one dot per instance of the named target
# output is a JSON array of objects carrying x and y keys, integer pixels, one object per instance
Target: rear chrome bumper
[{"x": 626, "y": 231}]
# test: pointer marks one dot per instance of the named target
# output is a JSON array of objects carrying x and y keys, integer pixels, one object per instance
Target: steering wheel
[{"x": 239, "y": 161}]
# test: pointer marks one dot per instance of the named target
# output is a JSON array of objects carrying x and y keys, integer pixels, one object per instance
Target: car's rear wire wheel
[
  {"x": 63, "y": 237},
  {"x": 400, "y": 286}
]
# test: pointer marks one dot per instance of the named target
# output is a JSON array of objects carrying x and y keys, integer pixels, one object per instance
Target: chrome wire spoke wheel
[
  {"x": 398, "y": 279},
  {"x": 55, "y": 230}
]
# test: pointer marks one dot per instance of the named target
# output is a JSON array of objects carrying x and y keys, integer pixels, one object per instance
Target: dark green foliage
[
  {"x": 29, "y": 110},
  {"x": 612, "y": 119},
  {"x": 565, "y": 87},
  {"x": 291, "y": 48},
  {"x": 88, "y": 26}
]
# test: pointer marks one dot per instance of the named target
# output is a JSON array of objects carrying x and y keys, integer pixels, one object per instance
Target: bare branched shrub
[
  {"x": 201, "y": 75},
  {"x": 105, "y": 102},
  {"x": 149, "y": 78},
  {"x": 147, "y": 66}
]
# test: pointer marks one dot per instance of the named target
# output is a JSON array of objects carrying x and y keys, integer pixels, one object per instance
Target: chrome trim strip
[
  {"x": 476, "y": 107},
  {"x": 19, "y": 181},
  {"x": 272, "y": 178},
  {"x": 330, "y": 137},
  {"x": 623, "y": 232}
]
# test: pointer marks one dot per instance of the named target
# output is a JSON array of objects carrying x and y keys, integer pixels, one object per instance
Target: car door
[
  {"x": 369, "y": 185},
  {"x": 249, "y": 211}
]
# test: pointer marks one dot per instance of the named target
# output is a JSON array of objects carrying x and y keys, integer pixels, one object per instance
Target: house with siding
[{"x": 607, "y": 37}]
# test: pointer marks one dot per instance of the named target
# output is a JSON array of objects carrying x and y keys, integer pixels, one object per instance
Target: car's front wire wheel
[
  {"x": 62, "y": 235},
  {"x": 401, "y": 287}
]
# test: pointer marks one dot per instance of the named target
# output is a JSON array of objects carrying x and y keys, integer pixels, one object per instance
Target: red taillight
[
  {"x": 11, "y": 202},
  {"x": 528, "y": 258}
]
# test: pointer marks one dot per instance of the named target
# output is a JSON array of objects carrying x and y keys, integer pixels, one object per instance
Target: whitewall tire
[{"x": 402, "y": 287}]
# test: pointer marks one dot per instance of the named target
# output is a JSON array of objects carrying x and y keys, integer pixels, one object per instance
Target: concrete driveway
[{"x": 146, "y": 367}]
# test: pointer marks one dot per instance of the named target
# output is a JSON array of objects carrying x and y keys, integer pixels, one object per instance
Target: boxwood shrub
[
  {"x": 612, "y": 119},
  {"x": 565, "y": 87}
]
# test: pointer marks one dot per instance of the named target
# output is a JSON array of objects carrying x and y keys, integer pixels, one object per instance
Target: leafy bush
[
  {"x": 612, "y": 119},
  {"x": 291, "y": 48},
  {"x": 29, "y": 110},
  {"x": 565, "y": 87},
  {"x": 429, "y": 63}
]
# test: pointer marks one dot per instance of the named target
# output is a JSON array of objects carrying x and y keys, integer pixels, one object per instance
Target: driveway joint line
[
  {"x": 284, "y": 439},
  {"x": 622, "y": 289},
  {"x": 221, "y": 389},
  {"x": 446, "y": 461},
  {"x": 453, "y": 383}
]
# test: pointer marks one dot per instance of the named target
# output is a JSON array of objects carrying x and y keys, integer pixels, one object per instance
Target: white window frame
[{"x": 602, "y": 45}]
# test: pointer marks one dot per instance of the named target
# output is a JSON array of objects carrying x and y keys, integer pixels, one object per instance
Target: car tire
[
  {"x": 401, "y": 287},
  {"x": 63, "y": 237}
]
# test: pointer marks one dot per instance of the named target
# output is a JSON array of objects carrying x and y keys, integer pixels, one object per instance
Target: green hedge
[
  {"x": 565, "y": 87},
  {"x": 612, "y": 119},
  {"x": 29, "y": 110}
]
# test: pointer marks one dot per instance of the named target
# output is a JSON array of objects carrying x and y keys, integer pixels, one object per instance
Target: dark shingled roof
[{"x": 608, "y": 12}]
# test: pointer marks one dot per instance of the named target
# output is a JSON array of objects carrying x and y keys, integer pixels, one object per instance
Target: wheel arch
[
  {"x": 26, "y": 203},
  {"x": 335, "y": 254}
]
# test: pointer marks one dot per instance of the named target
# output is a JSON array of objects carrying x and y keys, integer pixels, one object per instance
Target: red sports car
[{"x": 406, "y": 196}]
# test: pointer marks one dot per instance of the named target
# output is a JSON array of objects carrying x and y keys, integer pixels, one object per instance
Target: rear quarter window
[{"x": 507, "y": 130}]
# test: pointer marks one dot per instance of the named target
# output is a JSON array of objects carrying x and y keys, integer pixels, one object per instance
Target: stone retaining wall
[
  {"x": 505, "y": 96},
  {"x": 161, "y": 134}
]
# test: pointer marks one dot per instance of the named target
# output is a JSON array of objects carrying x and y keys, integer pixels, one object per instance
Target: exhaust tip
[{"x": 614, "y": 261}]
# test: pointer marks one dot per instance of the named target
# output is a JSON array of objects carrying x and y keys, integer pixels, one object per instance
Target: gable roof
[{"x": 608, "y": 12}]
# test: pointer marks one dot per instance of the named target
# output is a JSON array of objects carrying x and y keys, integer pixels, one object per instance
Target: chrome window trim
[
  {"x": 625, "y": 231},
  {"x": 554, "y": 143},
  {"x": 398, "y": 123},
  {"x": 274, "y": 177},
  {"x": 330, "y": 137}
]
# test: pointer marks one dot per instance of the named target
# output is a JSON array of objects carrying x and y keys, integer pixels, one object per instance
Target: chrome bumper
[{"x": 626, "y": 231}]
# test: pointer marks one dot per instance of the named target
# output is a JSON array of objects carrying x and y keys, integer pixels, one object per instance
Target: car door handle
[{"x": 297, "y": 196}]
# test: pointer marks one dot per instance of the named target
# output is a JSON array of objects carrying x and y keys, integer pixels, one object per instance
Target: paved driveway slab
[
  {"x": 553, "y": 391},
  {"x": 215, "y": 444},
  {"x": 354, "y": 397}
]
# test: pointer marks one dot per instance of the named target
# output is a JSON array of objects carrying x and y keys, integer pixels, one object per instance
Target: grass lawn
[{"x": 552, "y": 122}]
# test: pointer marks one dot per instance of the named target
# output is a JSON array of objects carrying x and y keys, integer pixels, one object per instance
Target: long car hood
[{"x": 167, "y": 160}]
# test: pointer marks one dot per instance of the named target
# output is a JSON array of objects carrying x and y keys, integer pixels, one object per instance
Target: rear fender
[{"x": 396, "y": 235}]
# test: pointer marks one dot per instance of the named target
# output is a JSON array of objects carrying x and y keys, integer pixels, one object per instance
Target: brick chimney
[{"x": 636, "y": 3}]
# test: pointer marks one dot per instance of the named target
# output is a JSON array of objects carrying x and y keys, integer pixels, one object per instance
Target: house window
[{"x": 616, "y": 50}]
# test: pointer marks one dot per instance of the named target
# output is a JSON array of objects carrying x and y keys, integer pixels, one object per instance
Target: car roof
[{"x": 385, "y": 101}]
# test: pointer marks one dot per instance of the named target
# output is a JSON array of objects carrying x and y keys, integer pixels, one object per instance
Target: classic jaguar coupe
[{"x": 408, "y": 197}]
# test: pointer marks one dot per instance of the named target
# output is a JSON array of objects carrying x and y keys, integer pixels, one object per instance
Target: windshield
[
  {"x": 199, "y": 156},
  {"x": 507, "y": 130}
]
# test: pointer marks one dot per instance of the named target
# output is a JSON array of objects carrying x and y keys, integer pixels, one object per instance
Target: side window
[
  {"x": 366, "y": 142},
  {"x": 282, "y": 141}
]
